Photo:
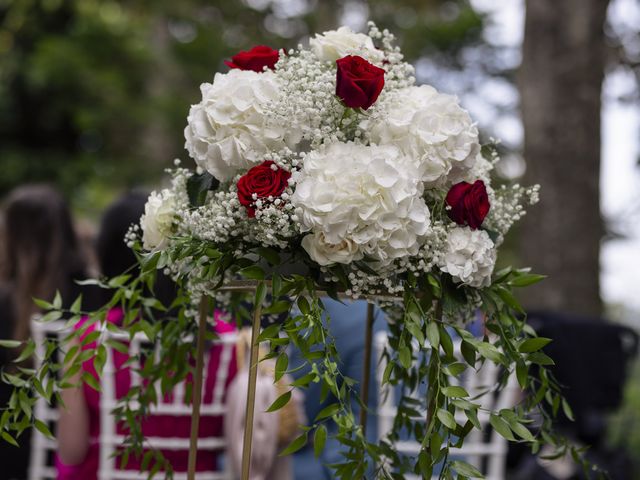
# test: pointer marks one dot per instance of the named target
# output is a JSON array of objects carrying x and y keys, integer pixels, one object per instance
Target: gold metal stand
[
  {"x": 250, "y": 286},
  {"x": 251, "y": 394},
  {"x": 197, "y": 388},
  {"x": 366, "y": 368}
]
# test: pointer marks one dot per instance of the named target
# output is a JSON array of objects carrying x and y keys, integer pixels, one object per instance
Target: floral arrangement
[
  {"x": 326, "y": 171},
  {"x": 335, "y": 150}
]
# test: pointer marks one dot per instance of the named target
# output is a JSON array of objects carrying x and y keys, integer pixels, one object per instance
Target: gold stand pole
[
  {"x": 197, "y": 388},
  {"x": 251, "y": 394},
  {"x": 366, "y": 369}
]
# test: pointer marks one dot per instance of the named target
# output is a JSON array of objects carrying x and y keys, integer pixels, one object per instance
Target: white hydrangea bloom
[
  {"x": 368, "y": 195},
  {"x": 469, "y": 256},
  {"x": 431, "y": 128},
  {"x": 229, "y": 131},
  {"x": 158, "y": 219},
  {"x": 335, "y": 44}
]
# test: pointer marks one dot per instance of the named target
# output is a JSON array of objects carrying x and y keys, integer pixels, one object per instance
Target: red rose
[
  {"x": 263, "y": 181},
  {"x": 469, "y": 203},
  {"x": 358, "y": 82},
  {"x": 255, "y": 59}
]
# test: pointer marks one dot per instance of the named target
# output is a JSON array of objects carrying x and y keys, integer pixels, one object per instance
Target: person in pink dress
[{"x": 79, "y": 426}]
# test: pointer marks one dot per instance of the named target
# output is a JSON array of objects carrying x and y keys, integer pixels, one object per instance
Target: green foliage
[{"x": 420, "y": 348}]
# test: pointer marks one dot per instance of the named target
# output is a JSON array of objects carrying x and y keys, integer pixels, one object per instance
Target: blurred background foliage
[{"x": 94, "y": 94}]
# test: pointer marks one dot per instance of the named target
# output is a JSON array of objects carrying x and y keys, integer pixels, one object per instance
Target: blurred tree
[
  {"x": 94, "y": 93},
  {"x": 560, "y": 83}
]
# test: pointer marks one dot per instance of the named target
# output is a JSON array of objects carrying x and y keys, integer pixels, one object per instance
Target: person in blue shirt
[{"x": 347, "y": 325}]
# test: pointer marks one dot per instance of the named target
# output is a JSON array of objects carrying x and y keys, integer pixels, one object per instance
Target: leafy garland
[{"x": 511, "y": 343}]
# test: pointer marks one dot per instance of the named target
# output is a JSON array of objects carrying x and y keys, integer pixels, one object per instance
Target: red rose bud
[
  {"x": 263, "y": 181},
  {"x": 469, "y": 203},
  {"x": 358, "y": 82},
  {"x": 255, "y": 59}
]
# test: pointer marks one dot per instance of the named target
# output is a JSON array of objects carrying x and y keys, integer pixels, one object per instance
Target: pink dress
[{"x": 157, "y": 425}]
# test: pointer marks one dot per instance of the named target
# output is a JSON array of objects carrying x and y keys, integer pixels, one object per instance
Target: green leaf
[
  {"x": 253, "y": 272},
  {"x": 466, "y": 469},
  {"x": 77, "y": 305},
  {"x": 540, "y": 358},
  {"x": 502, "y": 427},
  {"x": 328, "y": 411},
  {"x": 455, "y": 369},
  {"x": 303, "y": 305},
  {"x": 472, "y": 415},
  {"x": 447, "y": 418},
  {"x": 51, "y": 316},
  {"x": 26, "y": 352},
  {"x": 294, "y": 446},
  {"x": 42, "y": 428},
  {"x": 280, "y": 306},
  {"x": 566, "y": 408},
  {"x": 490, "y": 352},
  {"x": 533, "y": 344},
  {"x": 91, "y": 381},
  {"x": 261, "y": 294},
  {"x": 10, "y": 343},
  {"x": 521, "y": 431},
  {"x": 455, "y": 391},
  {"x": 304, "y": 380},
  {"x": 43, "y": 304},
  {"x": 445, "y": 341},
  {"x": 387, "y": 373},
  {"x": 468, "y": 353},
  {"x": 404, "y": 355},
  {"x": 270, "y": 332},
  {"x": 319, "y": 439},
  {"x": 433, "y": 334},
  {"x": 8, "y": 438},
  {"x": 280, "y": 402},
  {"x": 508, "y": 298},
  {"x": 197, "y": 187},
  {"x": 522, "y": 373},
  {"x": 527, "y": 279},
  {"x": 416, "y": 332},
  {"x": 57, "y": 301},
  {"x": 281, "y": 366},
  {"x": 276, "y": 285},
  {"x": 269, "y": 254}
]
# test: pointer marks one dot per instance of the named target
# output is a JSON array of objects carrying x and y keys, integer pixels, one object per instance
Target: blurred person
[
  {"x": 39, "y": 257},
  {"x": 41, "y": 253},
  {"x": 79, "y": 426}
]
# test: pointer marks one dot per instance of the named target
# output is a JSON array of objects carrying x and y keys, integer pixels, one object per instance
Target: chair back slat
[
  {"x": 42, "y": 448},
  {"x": 480, "y": 383}
]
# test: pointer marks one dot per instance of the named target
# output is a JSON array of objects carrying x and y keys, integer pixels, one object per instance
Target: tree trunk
[{"x": 560, "y": 85}]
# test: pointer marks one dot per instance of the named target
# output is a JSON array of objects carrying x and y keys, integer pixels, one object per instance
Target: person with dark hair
[
  {"x": 41, "y": 253},
  {"x": 40, "y": 256},
  {"x": 79, "y": 425},
  {"x": 114, "y": 256}
]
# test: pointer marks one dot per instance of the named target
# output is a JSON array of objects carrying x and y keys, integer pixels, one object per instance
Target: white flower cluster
[
  {"x": 229, "y": 130},
  {"x": 359, "y": 200},
  {"x": 469, "y": 256},
  {"x": 356, "y": 190},
  {"x": 429, "y": 127}
]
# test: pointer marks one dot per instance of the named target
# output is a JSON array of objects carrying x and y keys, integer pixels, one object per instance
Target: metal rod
[
  {"x": 366, "y": 368},
  {"x": 197, "y": 388},
  {"x": 251, "y": 393}
]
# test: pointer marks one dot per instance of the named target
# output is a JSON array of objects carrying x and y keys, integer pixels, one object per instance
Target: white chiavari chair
[{"x": 485, "y": 449}]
